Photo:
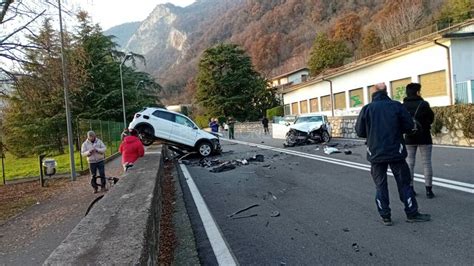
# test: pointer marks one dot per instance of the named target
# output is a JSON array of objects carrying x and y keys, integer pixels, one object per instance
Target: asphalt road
[{"x": 326, "y": 208}]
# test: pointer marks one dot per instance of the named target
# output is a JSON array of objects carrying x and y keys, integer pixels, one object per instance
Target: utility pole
[{"x": 66, "y": 99}]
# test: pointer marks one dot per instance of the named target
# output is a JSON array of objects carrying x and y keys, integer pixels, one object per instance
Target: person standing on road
[
  {"x": 265, "y": 125},
  {"x": 231, "y": 123},
  {"x": 94, "y": 149},
  {"x": 420, "y": 110},
  {"x": 382, "y": 123},
  {"x": 131, "y": 149},
  {"x": 214, "y": 125}
]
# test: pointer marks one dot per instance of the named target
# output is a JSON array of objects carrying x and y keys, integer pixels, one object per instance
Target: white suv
[{"x": 174, "y": 129}]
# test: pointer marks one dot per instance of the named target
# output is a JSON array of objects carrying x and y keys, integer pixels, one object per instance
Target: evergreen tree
[
  {"x": 34, "y": 119},
  {"x": 326, "y": 53},
  {"x": 100, "y": 96},
  {"x": 227, "y": 84}
]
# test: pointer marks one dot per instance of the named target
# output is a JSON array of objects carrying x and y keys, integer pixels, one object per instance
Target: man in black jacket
[{"x": 383, "y": 123}]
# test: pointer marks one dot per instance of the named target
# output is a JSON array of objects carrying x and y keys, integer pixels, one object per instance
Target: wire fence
[
  {"x": 107, "y": 131},
  {"x": 14, "y": 168}
]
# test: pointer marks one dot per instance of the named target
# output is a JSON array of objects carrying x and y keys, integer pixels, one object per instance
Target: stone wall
[
  {"x": 456, "y": 137},
  {"x": 344, "y": 127},
  {"x": 251, "y": 127},
  {"x": 123, "y": 227}
]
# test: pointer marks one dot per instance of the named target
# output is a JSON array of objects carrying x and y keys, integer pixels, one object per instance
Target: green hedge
[
  {"x": 454, "y": 117},
  {"x": 202, "y": 121},
  {"x": 275, "y": 111}
]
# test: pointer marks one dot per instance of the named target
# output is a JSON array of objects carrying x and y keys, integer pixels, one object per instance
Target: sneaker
[
  {"x": 418, "y": 217},
  {"x": 387, "y": 221},
  {"x": 96, "y": 190}
]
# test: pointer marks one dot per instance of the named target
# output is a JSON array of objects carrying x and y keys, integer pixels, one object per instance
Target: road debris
[
  {"x": 226, "y": 166},
  {"x": 345, "y": 229},
  {"x": 347, "y": 152},
  {"x": 355, "y": 247},
  {"x": 242, "y": 210},
  {"x": 266, "y": 165},
  {"x": 275, "y": 214},
  {"x": 258, "y": 158},
  {"x": 245, "y": 216},
  {"x": 331, "y": 150}
]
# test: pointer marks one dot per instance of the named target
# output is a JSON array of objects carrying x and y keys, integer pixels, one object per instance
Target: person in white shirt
[{"x": 94, "y": 149}]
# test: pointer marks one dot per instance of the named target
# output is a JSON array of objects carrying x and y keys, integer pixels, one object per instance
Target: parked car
[
  {"x": 174, "y": 129},
  {"x": 308, "y": 128}
]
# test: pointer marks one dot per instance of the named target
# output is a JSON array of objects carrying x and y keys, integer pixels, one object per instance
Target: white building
[{"x": 442, "y": 62}]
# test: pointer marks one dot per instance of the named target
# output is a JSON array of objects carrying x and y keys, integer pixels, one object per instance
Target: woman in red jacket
[{"x": 131, "y": 149}]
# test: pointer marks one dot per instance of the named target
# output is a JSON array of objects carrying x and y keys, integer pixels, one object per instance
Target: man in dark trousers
[
  {"x": 265, "y": 125},
  {"x": 383, "y": 123}
]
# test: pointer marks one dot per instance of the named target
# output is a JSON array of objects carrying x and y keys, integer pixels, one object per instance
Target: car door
[
  {"x": 184, "y": 130},
  {"x": 162, "y": 122}
]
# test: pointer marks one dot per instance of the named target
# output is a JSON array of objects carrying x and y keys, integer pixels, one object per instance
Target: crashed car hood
[{"x": 306, "y": 127}]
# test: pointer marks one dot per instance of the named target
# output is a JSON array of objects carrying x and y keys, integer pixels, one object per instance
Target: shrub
[
  {"x": 202, "y": 121},
  {"x": 453, "y": 115},
  {"x": 275, "y": 111}
]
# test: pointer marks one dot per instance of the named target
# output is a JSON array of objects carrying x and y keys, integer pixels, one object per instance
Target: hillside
[
  {"x": 123, "y": 32},
  {"x": 277, "y": 34}
]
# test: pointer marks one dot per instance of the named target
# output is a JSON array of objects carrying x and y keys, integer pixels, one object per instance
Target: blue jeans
[
  {"x": 93, "y": 167},
  {"x": 401, "y": 172}
]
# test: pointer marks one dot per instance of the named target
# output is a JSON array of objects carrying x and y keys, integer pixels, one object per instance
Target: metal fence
[{"x": 107, "y": 131}]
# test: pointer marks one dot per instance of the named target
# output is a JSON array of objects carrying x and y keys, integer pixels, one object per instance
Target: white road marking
[
  {"x": 218, "y": 244},
  {"x": 434, "y": 145},
  {"x": 456, "y": 185}
]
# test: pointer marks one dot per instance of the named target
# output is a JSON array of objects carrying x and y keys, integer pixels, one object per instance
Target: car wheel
[
  {"x": 204, "y": 148},
  {"x": 145, "y": 134},
  {"x": 325, "y": 136},
  {"x": 291, "y": 138}
]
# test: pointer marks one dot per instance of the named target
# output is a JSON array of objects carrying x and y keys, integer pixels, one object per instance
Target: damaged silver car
[{"x": 308, "y": 128}]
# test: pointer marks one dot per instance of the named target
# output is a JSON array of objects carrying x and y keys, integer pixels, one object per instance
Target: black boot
[{"x": 429, "y": 192}]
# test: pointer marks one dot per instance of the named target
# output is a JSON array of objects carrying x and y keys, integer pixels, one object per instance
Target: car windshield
[{"x": 308, "y": 119}]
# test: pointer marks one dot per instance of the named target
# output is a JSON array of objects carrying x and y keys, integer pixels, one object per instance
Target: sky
[{"x": 109, "y": 13}]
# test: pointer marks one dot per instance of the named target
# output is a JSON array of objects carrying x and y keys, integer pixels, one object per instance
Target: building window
[
  {"x": 326, "y": 103},
  {"x": 313, "y": 105},
  {"x": 340, "y": 100},
  {"x": 304, "y": 106},
  {"x": 356, "y": 97},
  {"x": 433, "y": 84},
  {"x": 294, "y": 108},
  {"x": 286, "y": 109},
  {"x": 398, "y": 88}
]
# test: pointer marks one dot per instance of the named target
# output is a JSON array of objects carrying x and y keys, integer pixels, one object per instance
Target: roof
[{"x": 289, "y": 73}]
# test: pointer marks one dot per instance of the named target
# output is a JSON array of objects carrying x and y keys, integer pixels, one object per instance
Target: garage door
[
  {"x": 433, "y": 84},
  {"x": 356, "y": 97},
  {"x": 326, "y": 103},
  {"x": 398, "y": 88}
]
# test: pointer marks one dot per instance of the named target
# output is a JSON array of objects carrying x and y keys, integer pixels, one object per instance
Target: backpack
[{"x": 417, "y": 125}]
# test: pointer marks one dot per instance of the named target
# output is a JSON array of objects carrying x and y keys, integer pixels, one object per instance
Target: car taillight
[{"x": 137, "y": 115}]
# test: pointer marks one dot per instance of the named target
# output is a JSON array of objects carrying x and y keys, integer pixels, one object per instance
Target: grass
[{"x": 17, "y": 168}]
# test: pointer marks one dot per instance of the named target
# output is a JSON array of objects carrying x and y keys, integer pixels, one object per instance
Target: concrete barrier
[{"x": 123, "y": 227}]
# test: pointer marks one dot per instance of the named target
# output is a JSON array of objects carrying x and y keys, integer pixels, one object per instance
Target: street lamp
[
  {"x": 66, "y": 98},
  {"x": 127, "y": 56}
]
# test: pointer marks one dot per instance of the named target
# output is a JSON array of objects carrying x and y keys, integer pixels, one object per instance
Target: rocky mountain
[
  {"x": 277, "y": 34},
  {"x": 123, "y": 32}
]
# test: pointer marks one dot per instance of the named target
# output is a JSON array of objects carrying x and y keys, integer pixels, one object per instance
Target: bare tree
[{"x": 397, "y": 19}]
